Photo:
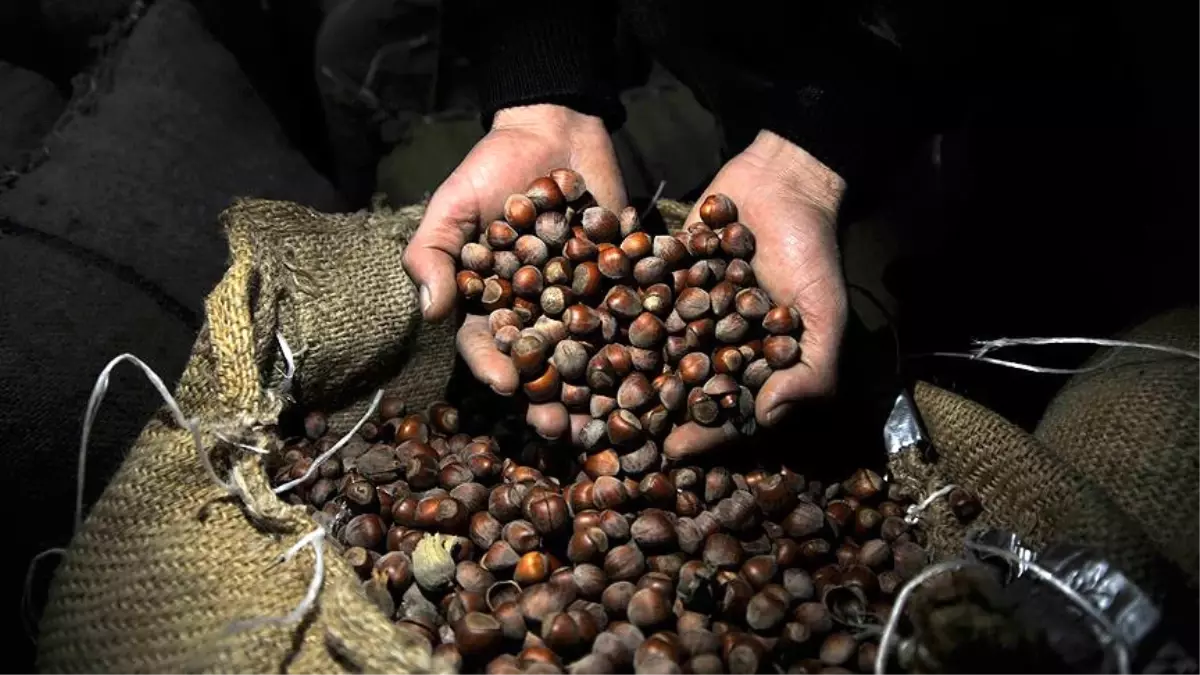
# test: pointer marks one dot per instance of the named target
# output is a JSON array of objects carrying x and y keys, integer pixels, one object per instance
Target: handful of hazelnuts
[{"x": 642, "y": 332}]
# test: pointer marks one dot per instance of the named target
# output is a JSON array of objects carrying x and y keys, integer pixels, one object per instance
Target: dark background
[{"x": 1061, "y": 200}]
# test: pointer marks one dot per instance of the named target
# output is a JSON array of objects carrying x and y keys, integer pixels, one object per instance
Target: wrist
[
  {"x": 548, "y": 116},
  {"x": 802, "y": 172}
]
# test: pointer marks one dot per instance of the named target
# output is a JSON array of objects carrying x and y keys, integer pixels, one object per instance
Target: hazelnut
[
  {"x": 629, "y": 221},
  {"x": 759, "y": 570},
  {"x": 656, "y": 490},
  {"x": 578, "y": 249},
  {"x": 528, "y": 355},
  {"x": 614, "y": 264},
  {"x": 503, "y": 317},
  {"x": 545, "y": 387},
  {"x": 739, "y": 273},
  {"x": 527, "y": 282},
  {"x": 964, "y": 505},
  {"x": 561, "y": 633},
  {"x": 505, "y": 264},
  {"x": 679, "y": 281},
  {"x": 532, "y": 568},
  {"x": 500, "y": 558},
  {"x": 505, "y": 502},
  {"x": 553, "y": 330},
  {"x": 648, "y": 608},
  {"x": 722, "y": 551},
  {"x": 695, "y": 368},
  {"x": 519, "y": 211},
  {"x": 637, "y": 245},
  {"x": 781, "y": 320},
  {"x": 731, "y": 328},
  {"x": 477, "y": 258},
  {"x": 527, "y": 309},
  {"x": 718, "y": 210},
  {"x": 752, "y": 303},
  {"x": 702, "y": 243},
  {"x": 470, "y": 284},
  {"x": 570, "y": 358},
  {"x": 500, "y": 235},
  {"x": 646, "y": 360},
  {"x": 737, "y": 241},
  {"x": 609, "y": 493},
  {"x": 781, "y": 351},
  {"x": 647, "y": 331},
  {"x": 552, "y": 228},
  {"x": 765, "y": 611},
  {"x": 365, "y": 530},
  {"x": 700, "y": 275},
  {"x": 699, "y": 333},
  {"x": 624, "y": 563},
  {"x": 838, "y": 649},
  {"x": 531, "y": 251},
  {"x": 581, "y": 320},
  {"x": 570, "y": 183},
  {"x": 669, "y": 250},
  {"x": 594, "y": 433},
  {"x": 653, "y": 531},
  {"x": 548, "y": 513},
  {"x": 646, "y": 457},
  {"x": 656, "y": 299},
  {"x": 587, "y": 545},
  {"x": 692, "y": 303},
  {"x": 649, "y": 271},
  {"x": 545, "y": 194},
  {"x": 541, "y": 600},
  {"x": 497, "y": 294},
  {"x": 600, "y": 224},
  {"x": 603, "y": 463},
  {"x": 484, "y": 529},
  {"x": 756, "y": 373},
  {"x": 522, "y": 536},
  {"x": 624, "y": 428},
  {"x": 634, "y": 393},
  {"x": 617, "y": 596},
  {"x": 477, "y": 634}
]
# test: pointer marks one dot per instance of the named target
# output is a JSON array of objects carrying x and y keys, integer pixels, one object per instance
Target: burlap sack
[
  {"x": 1132, "y": 428},
  {"x": 1023, "y": 486},
  {"x": 167, "y": 560}
]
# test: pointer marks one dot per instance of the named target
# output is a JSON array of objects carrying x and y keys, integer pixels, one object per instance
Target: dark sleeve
[{"x": 528, "y": 52}]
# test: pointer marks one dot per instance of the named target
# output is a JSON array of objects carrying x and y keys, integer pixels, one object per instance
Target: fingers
[
  {"x": 487, "y": 363},
  {"x": 815, "y": 375},
  {"x": 691, "y": 439},
  {"x": 430, "y": 256}
]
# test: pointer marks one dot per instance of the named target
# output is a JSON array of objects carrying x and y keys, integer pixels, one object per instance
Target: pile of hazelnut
[
  {"x": 662, "y": 568},
  {"x": 643, "y": 332}
]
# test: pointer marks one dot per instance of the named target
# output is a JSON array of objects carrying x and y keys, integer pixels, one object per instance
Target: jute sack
[
  {"x": 168, "y": 561},
  {"x": 1024, "y": 487},
  {"x": 1132, "y": 428}
]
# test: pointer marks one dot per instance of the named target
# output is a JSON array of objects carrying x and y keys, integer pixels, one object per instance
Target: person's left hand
[{"x": 789, "y": 200}]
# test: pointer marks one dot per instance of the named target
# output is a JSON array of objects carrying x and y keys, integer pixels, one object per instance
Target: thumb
[{"x": 449, "y": 222}]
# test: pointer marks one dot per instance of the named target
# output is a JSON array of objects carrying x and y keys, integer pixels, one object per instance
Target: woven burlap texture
[
  {"x": 168, "y": 561},
  {"x": 1132, "y": 428},
  {"x": 1023, "y": 487}
]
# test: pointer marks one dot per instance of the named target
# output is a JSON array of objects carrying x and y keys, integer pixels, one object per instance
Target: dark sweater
[{"x": 829, "y": 75}]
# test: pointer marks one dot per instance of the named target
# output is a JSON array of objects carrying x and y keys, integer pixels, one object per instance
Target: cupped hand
[
  {"x": 524, "y": 143},
  {"x": 790, "y": 201}
]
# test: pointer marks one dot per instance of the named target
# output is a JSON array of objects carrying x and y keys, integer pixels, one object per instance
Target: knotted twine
[{"x": 168, "y": 563}]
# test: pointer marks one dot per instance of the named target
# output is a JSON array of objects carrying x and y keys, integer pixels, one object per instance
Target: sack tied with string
[
  {"x": 168, "y": 561},
  {"x": 1112, "y": 465}
]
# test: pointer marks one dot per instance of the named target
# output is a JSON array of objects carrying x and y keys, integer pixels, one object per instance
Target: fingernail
[
  {"x": 502, "y": 393},
  {"x": 426, "y": 299},
  {"x": 548, "y": 437},
  {"x": 778, "y": 413}
]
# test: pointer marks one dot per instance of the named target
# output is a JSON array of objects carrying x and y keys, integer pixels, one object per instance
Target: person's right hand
[{"x": 524, "y": 143}]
